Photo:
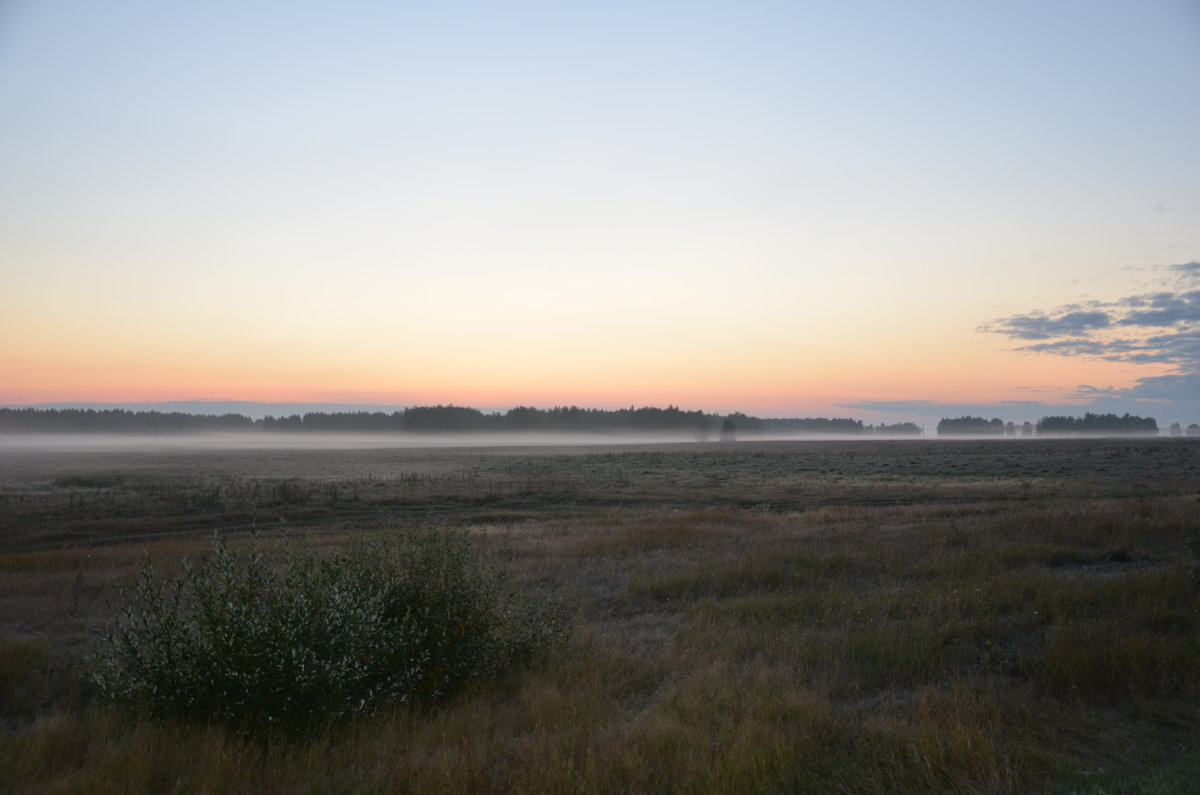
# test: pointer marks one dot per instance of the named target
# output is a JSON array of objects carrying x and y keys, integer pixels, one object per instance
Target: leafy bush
[{"x": 292, "y": 639}]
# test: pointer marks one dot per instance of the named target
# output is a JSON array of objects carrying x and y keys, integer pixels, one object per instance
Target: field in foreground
[{"x": 860, "y": 617}]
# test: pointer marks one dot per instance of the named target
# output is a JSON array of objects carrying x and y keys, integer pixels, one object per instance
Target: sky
[{"x": 884, "y": 210}]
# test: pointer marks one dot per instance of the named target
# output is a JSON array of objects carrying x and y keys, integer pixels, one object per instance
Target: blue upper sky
[{"x": 781, "y": 207}]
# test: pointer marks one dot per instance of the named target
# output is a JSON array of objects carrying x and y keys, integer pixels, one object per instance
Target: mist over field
[{"x": 68, "y": 442}]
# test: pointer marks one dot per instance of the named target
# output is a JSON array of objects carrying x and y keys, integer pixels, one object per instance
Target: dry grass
[{"x": 760, "y": 618}]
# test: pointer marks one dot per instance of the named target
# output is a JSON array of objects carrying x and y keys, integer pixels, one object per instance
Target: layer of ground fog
[{"x": 901, "y": 616}]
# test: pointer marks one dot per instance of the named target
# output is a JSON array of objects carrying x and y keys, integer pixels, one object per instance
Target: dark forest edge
[
  {"x": 437, "y": 419},
  {"x": 573, "y": 419},
  {"x": 1088, "y": 425}
]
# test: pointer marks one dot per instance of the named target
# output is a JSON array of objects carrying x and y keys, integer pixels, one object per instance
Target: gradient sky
[{"x": 875, "y": 209}]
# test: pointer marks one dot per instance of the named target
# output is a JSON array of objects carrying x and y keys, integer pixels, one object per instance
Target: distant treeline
[
  {"x": 440, "y": 419},
  {"x": 565, "y": 419},
  {"x": 754, "y": 426},
  {"x": 460, "y": 419},
  {"x": 895, "y": 429},
  {"x": 1099, "y": 424},
  {"x": 974, "y": 426},
  {"x": 118, "y": 421}
]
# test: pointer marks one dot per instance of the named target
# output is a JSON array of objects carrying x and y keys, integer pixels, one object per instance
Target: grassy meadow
[{"x": 870, "y": 616}]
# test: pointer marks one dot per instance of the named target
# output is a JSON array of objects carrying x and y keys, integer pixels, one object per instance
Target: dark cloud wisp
[
  {"x": 1162, "y": 327},
  {"x": 1039, "y": 326}
]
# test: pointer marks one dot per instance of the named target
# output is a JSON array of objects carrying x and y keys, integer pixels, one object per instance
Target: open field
[{"x": 871, "y": 616}]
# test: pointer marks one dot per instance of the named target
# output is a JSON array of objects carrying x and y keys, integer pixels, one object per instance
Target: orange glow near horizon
[
  {"x": 759, "y": 359},
  {"x": 767, "y": 382}
]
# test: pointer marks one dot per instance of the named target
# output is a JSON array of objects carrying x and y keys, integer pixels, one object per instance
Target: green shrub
[{"x": 292, "y": 639}]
